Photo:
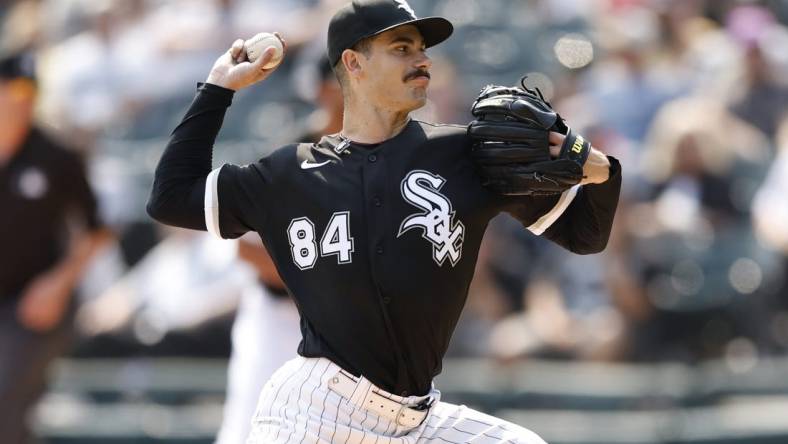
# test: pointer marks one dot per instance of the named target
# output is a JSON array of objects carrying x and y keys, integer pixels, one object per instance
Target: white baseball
[{"x": 256, "y": 45}]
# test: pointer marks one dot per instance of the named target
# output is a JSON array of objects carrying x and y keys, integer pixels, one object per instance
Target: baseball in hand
[{"x": 256, "y": 45}]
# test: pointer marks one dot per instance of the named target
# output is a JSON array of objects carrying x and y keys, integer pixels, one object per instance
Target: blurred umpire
[{"x": 49, "y": 230}]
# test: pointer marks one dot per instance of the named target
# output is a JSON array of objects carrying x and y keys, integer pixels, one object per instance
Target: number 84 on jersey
[{"x": 335, "y": 241}]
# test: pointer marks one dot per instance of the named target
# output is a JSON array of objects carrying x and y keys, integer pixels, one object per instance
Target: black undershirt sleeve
[
  {"x": 177, "y": 196},
  {"x": 584, "y": 227}
]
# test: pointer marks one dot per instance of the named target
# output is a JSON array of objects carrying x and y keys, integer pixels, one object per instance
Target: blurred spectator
[
  {"x": 625, "y": 89},
  {"x": 169, "y": 302},
  {"x": 215, "y": 24},
  {"x": 697, "y": 138},
  {"x": 770, "y": 207},
  {"x": 696, "y": 52},
  {"x": 770, "y": 217},
  {"x": 701, "y": 272},
  {"x": 49, "y": 232},
  {"x": 20, "y": 31},
  {"x": 569, "y": 312},
  {"x": 762, "y": 96},
  {"x": 100, "y": 77}
]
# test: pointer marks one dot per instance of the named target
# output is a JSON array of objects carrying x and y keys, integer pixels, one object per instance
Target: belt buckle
[
  {"x": 425, "y": 404},
  {"x": 414, "y": 412},
  {"x": 408, "y": 417}
]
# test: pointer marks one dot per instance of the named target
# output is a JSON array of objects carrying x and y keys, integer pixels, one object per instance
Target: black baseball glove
[{"x": 511, "y": 146}]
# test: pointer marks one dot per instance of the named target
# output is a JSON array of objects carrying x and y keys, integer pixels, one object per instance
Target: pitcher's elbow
[
  {"x": 156, "y": 209},
  {"x": 584, "y": 248}
]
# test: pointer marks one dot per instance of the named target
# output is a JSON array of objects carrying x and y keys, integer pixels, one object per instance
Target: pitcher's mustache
[{"x": 418, "y": 73}]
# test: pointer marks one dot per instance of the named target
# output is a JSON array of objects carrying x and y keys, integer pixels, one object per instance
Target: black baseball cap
[{"x": 360, "y": 19}]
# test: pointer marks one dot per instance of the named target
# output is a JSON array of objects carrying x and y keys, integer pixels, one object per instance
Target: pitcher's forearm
[{"x": 177, "y": 196}]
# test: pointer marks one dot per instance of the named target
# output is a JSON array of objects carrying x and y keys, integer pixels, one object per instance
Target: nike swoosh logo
[{"x": 305, "y": 165}]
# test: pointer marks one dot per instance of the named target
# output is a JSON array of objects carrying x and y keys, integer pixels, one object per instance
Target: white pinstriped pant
[{"x": 296, "y": 406}]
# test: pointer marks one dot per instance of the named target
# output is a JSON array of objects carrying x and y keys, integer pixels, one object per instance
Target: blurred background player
[
  {"x": 265, "y": 335},
  {"x": 327, "y": 118},
  {"x": 49, "y": 231}
]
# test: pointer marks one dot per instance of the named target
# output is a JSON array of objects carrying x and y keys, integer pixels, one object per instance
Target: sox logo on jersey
[{"x": 421, "y": 189}]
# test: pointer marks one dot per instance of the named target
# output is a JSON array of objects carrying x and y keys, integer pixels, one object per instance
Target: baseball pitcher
[{"x": 375, "y": 230}]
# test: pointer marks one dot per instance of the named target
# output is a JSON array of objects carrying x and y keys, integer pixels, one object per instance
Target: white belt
[{"x": 403, "y": 415}]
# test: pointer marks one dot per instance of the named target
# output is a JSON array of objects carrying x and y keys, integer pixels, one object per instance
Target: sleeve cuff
[
  {"x": 212, "y": 203},
  {"x": 225, "y": 95},
  {"x": 613, "y": 181},
  {"x": 615, "y": 168}
]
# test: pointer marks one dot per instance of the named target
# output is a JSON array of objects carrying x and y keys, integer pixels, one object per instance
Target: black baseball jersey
[{"x": 376, "y": 243}]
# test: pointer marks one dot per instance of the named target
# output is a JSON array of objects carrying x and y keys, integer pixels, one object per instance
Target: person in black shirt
[
  {"x": 43, "y": 191},
  {"x": 374, "y": 230}
]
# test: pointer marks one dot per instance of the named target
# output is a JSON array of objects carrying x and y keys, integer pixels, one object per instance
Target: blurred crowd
[{"x": 691, "y": 95}]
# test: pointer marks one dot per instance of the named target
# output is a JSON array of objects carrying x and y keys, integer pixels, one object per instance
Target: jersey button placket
[{"x": 374, "y": 182}]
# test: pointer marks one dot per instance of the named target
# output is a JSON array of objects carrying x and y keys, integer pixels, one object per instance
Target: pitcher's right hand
[{"x": 232, "y": 70}]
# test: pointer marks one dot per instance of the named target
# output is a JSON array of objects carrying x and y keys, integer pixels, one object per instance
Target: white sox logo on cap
[
  {"x": 361, "y": 19},
  {"x": 420, "y": 188},
  {"x": 402, "y": 4}
]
